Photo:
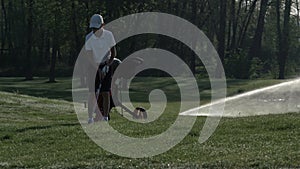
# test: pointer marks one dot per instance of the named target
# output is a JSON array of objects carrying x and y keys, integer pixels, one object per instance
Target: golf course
[
  {"x": 155, "y": 84},
  {"x": 39, "y": 129}
]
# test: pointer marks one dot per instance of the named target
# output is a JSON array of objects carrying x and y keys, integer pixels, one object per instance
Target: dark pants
[{"x": 105, "y": 83}]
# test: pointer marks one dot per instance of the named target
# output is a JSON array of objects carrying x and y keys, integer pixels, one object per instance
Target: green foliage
[
  {"x": 236, "y": 65},
  {"x": 65, "y": 23},
  {"x": 256, "y": 68},
  {"x": 274, "y": 69}
]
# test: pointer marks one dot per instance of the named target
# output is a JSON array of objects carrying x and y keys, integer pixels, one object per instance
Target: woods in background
[{"x": 254, "y": 38}]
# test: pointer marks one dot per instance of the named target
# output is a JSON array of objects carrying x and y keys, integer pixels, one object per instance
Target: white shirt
[{"x": 100, "y": 46}]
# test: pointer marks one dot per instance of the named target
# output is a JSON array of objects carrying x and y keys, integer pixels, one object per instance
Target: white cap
[{"x": 96, "y": 21}]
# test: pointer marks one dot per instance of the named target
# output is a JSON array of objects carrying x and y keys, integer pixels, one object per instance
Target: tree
[
  {"x": 194, "y": 20},
  {"x": 222, "y": 34},
  {"x": 28, "y": 66},
  {"x": 4, "y": 26},
  {"x": 58, "y": 24},
  {"x": 255, "y": 49},
  {"x": 235, "y": 15},
  {"x": 49, "y": 35},
  {"x": 254, "y": 53},
  {"x": 246, "y": 23},
  {"x": 75, "y": 39},
  {"x": 283, "y": 35},
  {"x": 222, "y": 29}
]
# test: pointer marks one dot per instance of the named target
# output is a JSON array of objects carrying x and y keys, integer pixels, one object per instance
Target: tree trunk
[
  {"x": 192, "y": 55},
  {"x": 233, "y": 45},
  {"x": 53, "y": 63},
  {"x": 246, "y": 23},
  {"x": 76, "y": 41},
  {"x": 231, "y": 23},
  {"x": 41, "y": 47},
  {"x": 232, "y": 28},
  {"x": 47, "y": 48},
  {"x": 283, "y": 36},
  {"x": 52, "y": 66},
  {"x": 28, "y": 66},
  {"x": 298, "y": 13},
  {"x": 55, "y": 47},
  {"x": 9, "y": 31},
  {"x": 221, "y": 35},
  {"x": 255, "y": 49},
  {"x": 222, "y": 30},
  {"x": 87, "y": 6},
  {"x": 3, "y": 27},
  {"x": 213, "y": 21}
]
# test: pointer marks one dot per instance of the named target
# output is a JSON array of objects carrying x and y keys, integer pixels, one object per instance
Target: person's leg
[
  {"x": 93, "y": 84},
  {"x": 91, "y": 105},
  {"x": 99, "y": 111},
  {"x": 106, "y": 104},
  {"x": 105, "y": 95}
]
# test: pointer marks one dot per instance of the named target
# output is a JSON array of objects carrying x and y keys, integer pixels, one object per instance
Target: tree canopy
[{"x": 254, "y": 38}]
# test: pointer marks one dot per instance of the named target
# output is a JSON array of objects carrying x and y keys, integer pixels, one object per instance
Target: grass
[
  {"x": 39, "y": 87},
  {"x": 38, "y": 132},
  {"x": 140, "y": 87}
]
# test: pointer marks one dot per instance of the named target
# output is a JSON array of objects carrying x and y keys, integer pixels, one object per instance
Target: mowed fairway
[{"x": 39, "y": 131}]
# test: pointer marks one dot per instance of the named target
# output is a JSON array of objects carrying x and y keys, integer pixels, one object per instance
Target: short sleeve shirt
[{"x": 100, "y": 46}]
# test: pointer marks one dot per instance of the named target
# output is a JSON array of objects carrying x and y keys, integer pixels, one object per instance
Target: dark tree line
[{"x": 254, "y": 38}]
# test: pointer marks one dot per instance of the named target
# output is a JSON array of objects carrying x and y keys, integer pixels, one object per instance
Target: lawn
[
  {"x": 42, "y": 131},
  {"x": 140, "y": 87}
]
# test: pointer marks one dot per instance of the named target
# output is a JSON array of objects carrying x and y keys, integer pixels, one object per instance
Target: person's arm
[{"x": 113, "y": 52}]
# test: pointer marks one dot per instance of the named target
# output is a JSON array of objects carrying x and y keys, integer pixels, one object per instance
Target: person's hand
[
  {"x": 102, "y": 75},
  {"x": 109, "y": 62}
]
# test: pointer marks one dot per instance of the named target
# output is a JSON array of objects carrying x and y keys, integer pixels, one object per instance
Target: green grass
[
  {"x": 140, "y": 88},
  {"x": 38, "y": 132},
  {"x": 39, "y": 87}
]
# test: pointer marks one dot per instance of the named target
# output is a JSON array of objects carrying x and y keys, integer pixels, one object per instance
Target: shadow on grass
[
  {"x": 39, "y": 87},
  {"x": 140, "y": 87},
  {"x": 46, "y": 127}
]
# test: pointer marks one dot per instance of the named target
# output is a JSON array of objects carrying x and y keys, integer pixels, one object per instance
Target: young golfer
[{"x": 101, "y": 51}]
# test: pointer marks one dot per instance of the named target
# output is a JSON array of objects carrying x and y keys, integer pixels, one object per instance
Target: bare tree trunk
[
  {"x": 41, "y": 47},
  {"x": 192, "y": 55},
  {"x": 76, "y": 41},
  {"x": 246, "y": 23},
  {"x": 221, "y": 35},
  {"x": 9, "y": 32},
  {"x": 235, "y": 26},
  {"x": 53, "y": 63},
  {"x": 283, "y": 36},
  {"x": 231, "y": 23},
  {"x": 255, "y": 49},
  {"x": 208, "y": 14},
  {"x": 87, "y": 6},
  {"x": 278, "y": 25},
  {"x": 222, "y": 30},
  {"x": 55, "y": 47},
  {"x": 213, "y": 21},
  {"x": 28, "y": 66},
  {"x": 298, "y": 17},
  {"x": 3, "y": 27},
  {"x": 47, "y": 48}
]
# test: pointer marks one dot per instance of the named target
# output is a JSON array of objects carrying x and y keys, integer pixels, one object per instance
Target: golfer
[{"x": 101, "y": 51}]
